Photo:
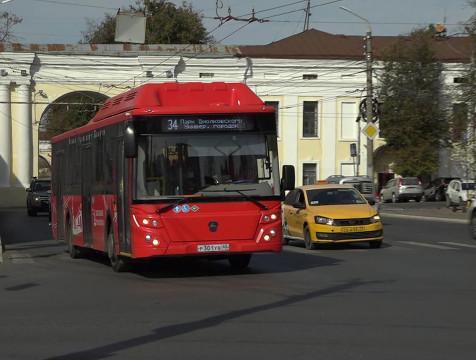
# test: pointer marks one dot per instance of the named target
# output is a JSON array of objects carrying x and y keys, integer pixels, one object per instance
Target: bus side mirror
[
  {"x": 287, "y": 182},
  {"x": 130, "y": 142}
]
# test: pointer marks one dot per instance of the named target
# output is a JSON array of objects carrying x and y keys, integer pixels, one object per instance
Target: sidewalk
[{"x": 441, "y": 213}]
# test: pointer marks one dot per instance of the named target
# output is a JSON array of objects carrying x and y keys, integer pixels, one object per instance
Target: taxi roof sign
[{"x": 321, "y": 182}]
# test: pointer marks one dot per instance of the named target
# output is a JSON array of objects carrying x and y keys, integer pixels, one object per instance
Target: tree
[
  {"x": 412, "y": 120},
  {"x": 464, "y": 116},
  {"x": 75, "y": 110},
  {"x": 166, "y": 24},
  {"x": 7, "y": 22}
]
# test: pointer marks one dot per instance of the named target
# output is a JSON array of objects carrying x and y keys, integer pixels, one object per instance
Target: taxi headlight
[
  {"x": 323, "y": 220},
  {"x": 375, "y": 219}
]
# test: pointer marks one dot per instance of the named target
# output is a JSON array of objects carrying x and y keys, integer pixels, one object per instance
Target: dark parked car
[
  {"x": 436, "y": 190},
  {"x": 38, "y": 198}
]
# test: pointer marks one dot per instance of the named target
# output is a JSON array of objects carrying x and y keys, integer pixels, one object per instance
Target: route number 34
[{"x": 172, "y": 124}]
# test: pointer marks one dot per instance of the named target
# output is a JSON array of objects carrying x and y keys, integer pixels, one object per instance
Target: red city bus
[{"x": 170, "y": 170}]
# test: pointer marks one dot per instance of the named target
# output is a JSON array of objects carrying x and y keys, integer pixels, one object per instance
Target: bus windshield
[{"x": 206, "y": 165}]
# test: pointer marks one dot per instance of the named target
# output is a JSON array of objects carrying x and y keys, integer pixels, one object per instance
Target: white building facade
[{"x": 315, "y": 80}]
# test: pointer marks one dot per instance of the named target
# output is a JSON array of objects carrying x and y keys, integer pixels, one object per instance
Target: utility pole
[
  {"x": 369, "y": 99},
  {"x": 308, "y": 15},
  {"x": 370, "y": 115}
]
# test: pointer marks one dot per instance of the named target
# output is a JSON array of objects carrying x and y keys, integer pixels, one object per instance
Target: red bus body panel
[{"x": 240, "y": 224}]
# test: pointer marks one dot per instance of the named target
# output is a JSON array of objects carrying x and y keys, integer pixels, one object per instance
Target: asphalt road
[{"x": 412, "y": 299}]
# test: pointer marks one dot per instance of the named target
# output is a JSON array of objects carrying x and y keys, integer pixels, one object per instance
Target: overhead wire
[{"x": 209, "y": 46}]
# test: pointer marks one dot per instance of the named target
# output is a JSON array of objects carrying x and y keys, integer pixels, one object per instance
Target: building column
[
  {"x": 24, "y": 137},
  {"x": 5, "y": 135}
]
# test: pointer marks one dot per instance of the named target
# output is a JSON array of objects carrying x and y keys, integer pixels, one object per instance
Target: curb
[{"x": 425, "y": 218}]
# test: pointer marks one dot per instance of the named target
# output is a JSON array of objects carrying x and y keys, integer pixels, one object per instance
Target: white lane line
[
  {"x": 458, "y": 244},
  {"x": 19, "y": 258},
  {"x": 428, "y": 245}
]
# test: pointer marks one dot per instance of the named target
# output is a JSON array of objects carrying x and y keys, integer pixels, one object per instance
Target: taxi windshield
[{"x": 338, "y": 196}]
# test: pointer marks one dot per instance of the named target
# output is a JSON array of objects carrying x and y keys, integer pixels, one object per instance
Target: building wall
[{"x": 337, "y": 85}]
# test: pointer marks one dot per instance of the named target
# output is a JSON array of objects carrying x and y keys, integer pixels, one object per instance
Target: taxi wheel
[
  {"x": 307, "y": 239},
  {"x": 285, "y": 233},
  {"x": 375, "y": 244}
]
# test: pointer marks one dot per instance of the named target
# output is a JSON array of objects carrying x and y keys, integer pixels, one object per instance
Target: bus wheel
[
  {"x": 73, "y": 250},
  {"x": 239, "y": 261},
  {"x": 118, "y": 263}
]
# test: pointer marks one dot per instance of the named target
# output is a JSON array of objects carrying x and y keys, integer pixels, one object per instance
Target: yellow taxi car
[{"x": 330, "y": 213}]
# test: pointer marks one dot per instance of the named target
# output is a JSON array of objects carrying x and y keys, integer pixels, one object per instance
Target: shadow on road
[{"x": 171, "y": 331}]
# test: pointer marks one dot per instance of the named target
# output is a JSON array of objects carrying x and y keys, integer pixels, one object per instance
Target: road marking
[
  {"x": 458, "y": 244},
  {"x": 19, "y": 258},
  {"x": 301, "y": 250},
  {"x": 428, "y": 245}
]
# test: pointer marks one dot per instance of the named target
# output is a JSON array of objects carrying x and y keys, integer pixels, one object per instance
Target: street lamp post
[{"x": 368, "y": 62}]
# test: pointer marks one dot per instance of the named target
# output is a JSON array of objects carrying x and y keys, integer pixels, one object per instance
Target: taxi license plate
[
  {"x": 352, "y": 229},
  {"x": 213, "y": 248}
]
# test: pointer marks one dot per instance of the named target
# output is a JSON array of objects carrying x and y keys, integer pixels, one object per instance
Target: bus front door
[{"x": 87, "y": 170}]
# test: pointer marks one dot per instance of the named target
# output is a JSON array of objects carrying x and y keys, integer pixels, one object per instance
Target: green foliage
[
  {"x": 166, "y": 24},
  {"x": 74, "y": 111},
  {"x": 412, "y": 120},
  {"x": 467, "y": 97}
]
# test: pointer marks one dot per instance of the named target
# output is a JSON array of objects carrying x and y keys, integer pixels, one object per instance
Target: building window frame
[
  {"x": 306, "y": 169},
  {"x": 348, "y": 118},
  {"x": 309, "y": 131}
]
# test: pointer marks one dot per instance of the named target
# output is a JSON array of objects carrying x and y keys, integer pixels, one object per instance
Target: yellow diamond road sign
[{"x": 370, "y": 130}]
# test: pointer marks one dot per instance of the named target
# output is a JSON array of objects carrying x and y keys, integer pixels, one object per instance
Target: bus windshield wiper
[
  {"x": 260, "y": 205},
  {"x": 254, "y": 201}
]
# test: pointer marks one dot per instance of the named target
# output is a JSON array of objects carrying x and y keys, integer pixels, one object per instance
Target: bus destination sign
[{"x": 207, "y": 124}]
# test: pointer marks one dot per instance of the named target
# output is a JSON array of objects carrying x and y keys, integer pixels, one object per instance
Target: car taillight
[
  {"x": 419, "y": 182},
  {"x": 399, "y": 182}
]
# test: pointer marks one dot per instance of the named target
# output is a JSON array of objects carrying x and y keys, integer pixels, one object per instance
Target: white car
[
  {"x": 459, "y": 192},
  {"x": 472, "y": 218}
]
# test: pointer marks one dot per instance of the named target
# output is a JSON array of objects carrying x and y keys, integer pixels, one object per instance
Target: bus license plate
[
  {"x": 213, "y": 248},
  {"x": 352, "y": 229}
]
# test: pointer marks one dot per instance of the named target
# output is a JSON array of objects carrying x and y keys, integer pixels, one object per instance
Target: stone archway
[
  {"x": 44, "y": 167},
  {"x": 383, "y": 166},
  {"x": 69, "y": 111}
]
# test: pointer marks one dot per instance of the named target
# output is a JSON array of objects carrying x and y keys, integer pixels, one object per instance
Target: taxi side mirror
[{"x": 299, "y": 205}]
